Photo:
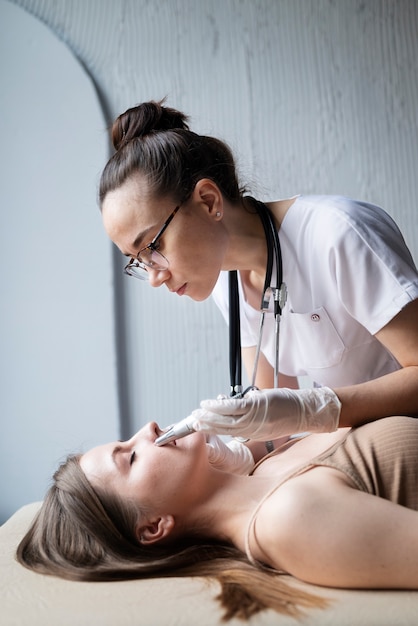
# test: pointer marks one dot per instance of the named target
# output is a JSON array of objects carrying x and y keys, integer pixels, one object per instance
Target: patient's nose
[{"x": 149, "y": 431}]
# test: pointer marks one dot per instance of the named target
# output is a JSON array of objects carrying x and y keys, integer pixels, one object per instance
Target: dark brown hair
[
  {"x": 81, "y": 533},
  {"x": 155, "y": 142}
]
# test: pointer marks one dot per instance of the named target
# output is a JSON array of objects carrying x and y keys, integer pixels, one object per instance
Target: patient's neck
[{"x": 228, "y": 504}]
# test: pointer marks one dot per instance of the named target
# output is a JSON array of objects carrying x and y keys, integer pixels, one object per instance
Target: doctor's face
[
  {"x": 194, "y": 243},
  {"x": 159, "y": 477}
]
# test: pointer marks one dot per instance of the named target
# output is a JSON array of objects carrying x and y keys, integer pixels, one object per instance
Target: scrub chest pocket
[{"x": 316, "y": 338}]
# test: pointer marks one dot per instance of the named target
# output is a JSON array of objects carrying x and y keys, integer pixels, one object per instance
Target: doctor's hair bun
[{"x": 144, "y": 119}]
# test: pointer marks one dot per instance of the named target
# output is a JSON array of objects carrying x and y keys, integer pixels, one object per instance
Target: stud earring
[{"x": 218, "y": 214}]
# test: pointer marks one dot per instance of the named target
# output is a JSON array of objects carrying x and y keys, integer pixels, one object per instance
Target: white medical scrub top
[{"x": 348, "y": 272}]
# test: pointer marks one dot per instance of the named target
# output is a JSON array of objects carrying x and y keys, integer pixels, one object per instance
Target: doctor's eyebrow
[{"x": 138, "y": 240}]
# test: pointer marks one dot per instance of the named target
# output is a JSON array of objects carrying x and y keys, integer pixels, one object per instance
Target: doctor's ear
[
  {"x": 208, "y": 192},
  {"x": 155, "y": 530}
]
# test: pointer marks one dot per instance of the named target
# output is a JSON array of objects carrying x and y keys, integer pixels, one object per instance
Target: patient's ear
[{"x": 155, "y": 530}]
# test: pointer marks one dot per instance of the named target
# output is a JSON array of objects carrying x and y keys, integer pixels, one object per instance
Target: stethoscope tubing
[
  {"x": 279, "y": 298},
  {"x": 235, "y": 365}
]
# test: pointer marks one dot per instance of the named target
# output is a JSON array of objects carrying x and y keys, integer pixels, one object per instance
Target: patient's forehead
[{"x": 97, "y": 461}]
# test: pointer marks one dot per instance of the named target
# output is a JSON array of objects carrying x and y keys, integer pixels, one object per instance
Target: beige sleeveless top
[{"x": 381, "y": 458}]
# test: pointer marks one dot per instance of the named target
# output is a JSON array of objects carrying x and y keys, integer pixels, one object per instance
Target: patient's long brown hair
[{"x": 81, "y": 533}]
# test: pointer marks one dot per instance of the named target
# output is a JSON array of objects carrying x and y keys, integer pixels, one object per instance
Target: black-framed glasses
[{"x": 149, "y": 257}]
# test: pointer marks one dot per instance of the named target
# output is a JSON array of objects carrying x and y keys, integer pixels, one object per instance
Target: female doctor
[{"x": 343, "y": 289}]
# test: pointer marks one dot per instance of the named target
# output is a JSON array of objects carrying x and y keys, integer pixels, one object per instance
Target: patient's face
[{"x": 153, "y": 476}]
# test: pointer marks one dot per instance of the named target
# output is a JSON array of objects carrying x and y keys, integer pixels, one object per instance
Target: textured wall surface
[{"x": 312, "y": 95}]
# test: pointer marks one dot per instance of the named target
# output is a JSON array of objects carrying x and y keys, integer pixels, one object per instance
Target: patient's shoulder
[{"x": 288, "y": 522}]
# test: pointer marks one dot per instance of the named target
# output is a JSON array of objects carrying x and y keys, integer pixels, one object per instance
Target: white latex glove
[
  {"x": 269, "y": 414},
  {"x": 231, "y": 457}
]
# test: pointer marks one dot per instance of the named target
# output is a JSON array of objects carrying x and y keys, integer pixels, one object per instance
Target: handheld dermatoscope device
[
  {"x": 279, "y": 292},
  {"x": 177, "y": 431}
]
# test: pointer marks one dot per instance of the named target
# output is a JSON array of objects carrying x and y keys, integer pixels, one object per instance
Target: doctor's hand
[
  {"x": 232, "y": 457},
  {"x": 271, "y": 413}
]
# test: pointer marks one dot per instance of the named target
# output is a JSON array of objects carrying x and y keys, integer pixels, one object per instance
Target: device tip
[{"x": 165, "y": 438}]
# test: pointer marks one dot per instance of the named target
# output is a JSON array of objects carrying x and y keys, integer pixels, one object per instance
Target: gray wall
[
  {"x": 58, "y": 390},
  {"x": 312, "y": 95}
]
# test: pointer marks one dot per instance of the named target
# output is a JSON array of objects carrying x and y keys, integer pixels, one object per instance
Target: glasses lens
[
  {"x": 136, "y": 270},
  {"x": 150, "y": 259}
]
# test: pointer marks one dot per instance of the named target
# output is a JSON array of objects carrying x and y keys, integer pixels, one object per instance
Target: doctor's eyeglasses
[{"x": 149, "y": 257}]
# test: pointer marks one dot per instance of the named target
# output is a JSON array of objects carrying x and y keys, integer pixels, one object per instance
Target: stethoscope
[{"x": 279, "y": 293}]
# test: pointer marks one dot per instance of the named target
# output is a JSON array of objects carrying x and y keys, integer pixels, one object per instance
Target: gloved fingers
[
  {"x": 216, "y": 449},
  {"x": 226, "y": 406},
  {"x": 242, "y": 455},
  {"x": 211, "y": 439},
  {"x": 214, "y": 442},
  {"x": 214, "y": 423},
  {"x": 232, "y": 456}
]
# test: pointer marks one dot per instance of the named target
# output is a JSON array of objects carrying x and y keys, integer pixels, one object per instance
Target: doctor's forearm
[{"x": 392, "y": 394}]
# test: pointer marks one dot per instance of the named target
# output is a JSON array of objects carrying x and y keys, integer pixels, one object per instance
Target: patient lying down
[{"x": 134, "y": 510}]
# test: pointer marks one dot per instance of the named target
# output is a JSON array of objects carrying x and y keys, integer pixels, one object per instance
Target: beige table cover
[{"x": 28, "y": 599}]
